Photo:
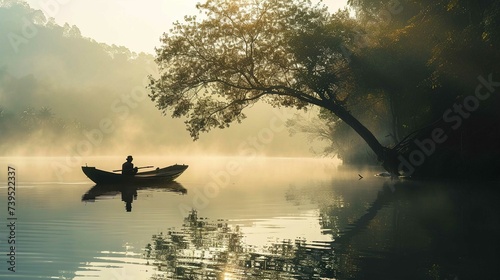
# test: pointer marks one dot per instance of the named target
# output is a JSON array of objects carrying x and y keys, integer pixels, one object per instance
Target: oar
[{"x": 149, "y": 166}]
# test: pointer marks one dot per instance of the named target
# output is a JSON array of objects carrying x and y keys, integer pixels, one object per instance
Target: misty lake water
[{"x": 241, "y": 218}]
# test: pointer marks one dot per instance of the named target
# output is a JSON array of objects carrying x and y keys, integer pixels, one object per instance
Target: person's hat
[{"x": 129, "y": 157}]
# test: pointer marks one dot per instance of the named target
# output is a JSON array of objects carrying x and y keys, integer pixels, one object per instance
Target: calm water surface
[{"x": 237, "y": 218}]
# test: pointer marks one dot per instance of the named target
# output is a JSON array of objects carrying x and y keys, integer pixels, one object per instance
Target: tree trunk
[{"x": 386, "y": 156}]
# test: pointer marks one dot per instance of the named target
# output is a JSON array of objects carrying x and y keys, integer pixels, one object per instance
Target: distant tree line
[
  {"x": 34, "y": 130},
  {"x": 56, "y": 84}
]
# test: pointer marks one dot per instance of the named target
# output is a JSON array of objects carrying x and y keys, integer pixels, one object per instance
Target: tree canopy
[
  {"x": 242, "y": 51},
  {"x": 418, "y": 57}
]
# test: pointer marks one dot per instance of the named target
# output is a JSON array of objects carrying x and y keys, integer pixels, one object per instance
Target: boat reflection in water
[{"x": 128, "y": 191}]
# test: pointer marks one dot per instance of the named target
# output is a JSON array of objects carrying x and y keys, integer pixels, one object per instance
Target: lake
[{"x": 245, "y": 218}]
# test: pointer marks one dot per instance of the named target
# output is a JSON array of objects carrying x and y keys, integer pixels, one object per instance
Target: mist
[{"x": 62, "y": 94}]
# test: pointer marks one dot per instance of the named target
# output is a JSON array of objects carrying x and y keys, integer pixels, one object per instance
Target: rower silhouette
[{"x": 128, "y": 167}]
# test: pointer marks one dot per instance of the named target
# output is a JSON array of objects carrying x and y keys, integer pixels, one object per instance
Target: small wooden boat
[{"x": 160, "y": 175}]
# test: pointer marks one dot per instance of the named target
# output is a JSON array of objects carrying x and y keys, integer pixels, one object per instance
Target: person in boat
[{"x": 128, "y": 167}]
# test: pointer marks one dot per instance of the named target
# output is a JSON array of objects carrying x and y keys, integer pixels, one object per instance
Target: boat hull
[{"x": 160, "y": 175}]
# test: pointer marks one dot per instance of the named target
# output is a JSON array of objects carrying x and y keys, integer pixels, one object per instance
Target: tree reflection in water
[
  {"x": 424, "y": 230},
  {"x": 214, "y": 250},
  {"x": 412, "y": 230}
]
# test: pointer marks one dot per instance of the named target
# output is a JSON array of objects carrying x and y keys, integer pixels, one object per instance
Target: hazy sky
[{"x": 135, "y": 24}]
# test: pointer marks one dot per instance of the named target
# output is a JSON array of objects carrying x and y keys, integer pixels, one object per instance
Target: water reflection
[
  {"x": 411, "y": 230},
  {"x": 424, "y": 230},
  {"x": 215, "y": 250},
  {"x": 295, "y": 225},
  {"x": 128, "y": 192}
]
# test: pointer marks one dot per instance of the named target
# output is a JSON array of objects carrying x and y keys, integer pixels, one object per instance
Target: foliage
[
  {"x": 426, "y": 61},
  {"x": 429, "y": 54},
  {"x": 286, "y": 53}
]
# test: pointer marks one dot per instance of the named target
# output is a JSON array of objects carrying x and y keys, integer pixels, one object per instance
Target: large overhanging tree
[{"x": 284, "y": 52}]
